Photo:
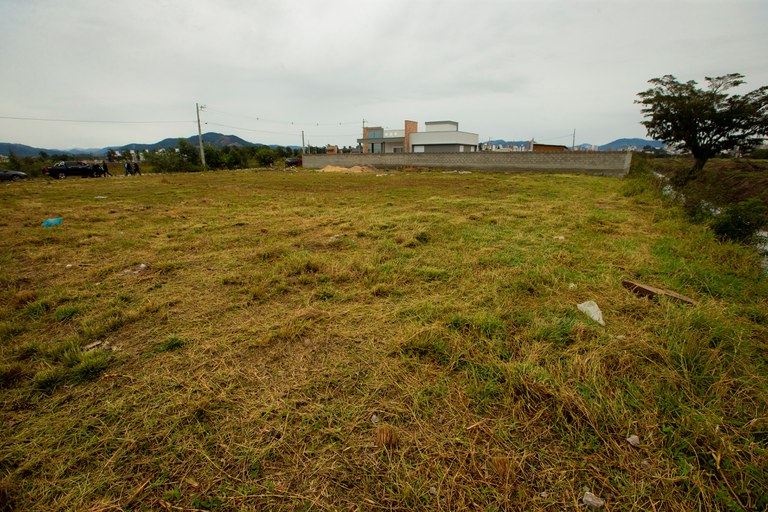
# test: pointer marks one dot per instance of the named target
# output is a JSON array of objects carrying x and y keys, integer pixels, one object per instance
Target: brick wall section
[
  {"x": 603, "y": 164},
  {"x": 410, "y": 127},
  {"x": 365, "y": 136}
]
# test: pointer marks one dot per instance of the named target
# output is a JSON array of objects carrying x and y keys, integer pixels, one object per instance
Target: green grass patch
[{"x": 172, "y": 343}]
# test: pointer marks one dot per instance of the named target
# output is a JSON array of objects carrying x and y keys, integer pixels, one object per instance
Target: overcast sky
[{"x": 268, "y": 69}]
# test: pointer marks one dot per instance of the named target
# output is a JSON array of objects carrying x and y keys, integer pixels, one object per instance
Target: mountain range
[
  {"x": 217, "y": 140},
  {"x": 220, "y": 140},
  {"x": 616, "y": 145}
]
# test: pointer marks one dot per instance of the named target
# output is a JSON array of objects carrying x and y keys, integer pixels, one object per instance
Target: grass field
[{"x": 402, "y": 341}]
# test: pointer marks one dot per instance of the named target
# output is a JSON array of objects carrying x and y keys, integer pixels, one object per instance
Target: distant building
[
  {"x": 437, "y": 137},
  {"x": 535, "y": 146}
]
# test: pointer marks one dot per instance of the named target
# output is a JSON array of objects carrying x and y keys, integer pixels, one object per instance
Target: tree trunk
[{"x": 682, "y": 178}]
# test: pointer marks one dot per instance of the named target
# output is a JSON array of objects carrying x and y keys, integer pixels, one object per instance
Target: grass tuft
[
  {"x": 47, "y": 380},
  {"x": 64, "y": 313},
  {"x": 172, "y": 343}
]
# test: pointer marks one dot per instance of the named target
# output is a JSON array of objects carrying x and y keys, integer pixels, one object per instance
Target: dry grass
[{"x": 409, "y": 341}]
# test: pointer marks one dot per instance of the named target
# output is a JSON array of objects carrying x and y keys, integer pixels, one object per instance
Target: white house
[{"x": 437, "y": 137}]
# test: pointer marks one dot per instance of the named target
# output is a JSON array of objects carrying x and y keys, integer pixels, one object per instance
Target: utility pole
[
  {"x": 573, "y": 146},
  {"x": 302, "y": 142},
  {"x": 198, "y": 108}
]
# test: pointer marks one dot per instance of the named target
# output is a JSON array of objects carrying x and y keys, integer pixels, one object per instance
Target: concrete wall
[
  {"x": 441, "y": 126},
  {"x": 604, "y": 164},
  {"x": 443, "y": 137}
]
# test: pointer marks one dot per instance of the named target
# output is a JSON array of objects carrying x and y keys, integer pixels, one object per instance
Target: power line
[
  {"x": 280, "y": 133},
  {"x": 275, "y": 121},
  {"x": 51, "y": 120},
  {"x": 249, "y": 129}
]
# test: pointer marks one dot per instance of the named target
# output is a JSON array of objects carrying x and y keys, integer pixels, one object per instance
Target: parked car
[
  {"x": 8, "y": 175},
  {"x": 293, "y": 162},
  {"x": 62, "y": 170}
]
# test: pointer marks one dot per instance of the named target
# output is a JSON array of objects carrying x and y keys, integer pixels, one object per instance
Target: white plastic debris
[
  {"x": 591, "y": 309},
  {"x": 633, "y": 440},
  {"x": 374, "y": 419}
]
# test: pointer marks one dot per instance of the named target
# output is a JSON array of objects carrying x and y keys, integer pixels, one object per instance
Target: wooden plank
[{"x": 645, "y": 290}]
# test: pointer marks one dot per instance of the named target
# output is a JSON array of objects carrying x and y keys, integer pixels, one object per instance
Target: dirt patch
[{"x": 356, "y": 169}]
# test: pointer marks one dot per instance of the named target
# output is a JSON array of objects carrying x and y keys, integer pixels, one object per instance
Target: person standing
[
  {"x": 105, "y": 169},
  {"x": 136, "y": 168},
  {"x": 128, "y": 171}
]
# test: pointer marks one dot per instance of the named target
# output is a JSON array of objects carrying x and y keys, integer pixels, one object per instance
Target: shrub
[
  {"x": 759, "y": 154},
  {"x": 740, "y": 222}
]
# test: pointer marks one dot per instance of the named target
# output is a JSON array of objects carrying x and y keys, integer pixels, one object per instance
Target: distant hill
[
  {"x": 622, "y": 144},
  {"x": 216, "y": 140},
  {"x": 616, "y": 145},
  {"x": 21, "y": 150}
]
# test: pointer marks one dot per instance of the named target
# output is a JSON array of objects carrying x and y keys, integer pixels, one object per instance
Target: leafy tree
[
  {"x": 213, "y": 157},
  {"x": 235, "y": 157},
  {"x": 14, "y": 163},
  {"x": 189, "y": 152},
  {"x": 707, "y": 121},
  {"x": 265, "y": 156},
  {"x": 166, "y": 161}
]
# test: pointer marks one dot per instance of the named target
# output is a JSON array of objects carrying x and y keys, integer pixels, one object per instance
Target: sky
[{"x": 95, "y": 73}]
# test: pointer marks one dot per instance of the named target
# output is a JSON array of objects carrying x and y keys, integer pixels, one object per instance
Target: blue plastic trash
[{"x": 52, "y": 222}]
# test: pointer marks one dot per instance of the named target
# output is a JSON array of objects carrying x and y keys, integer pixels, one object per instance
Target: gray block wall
[{"x": 603, "y": 164}]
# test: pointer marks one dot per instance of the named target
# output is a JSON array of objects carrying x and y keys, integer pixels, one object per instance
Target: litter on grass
[
  {"x": 54, "y": 221},
  {"x": 591, "y": 309}
]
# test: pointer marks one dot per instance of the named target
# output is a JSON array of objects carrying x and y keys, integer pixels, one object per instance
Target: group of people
[
  {"x": 103, "y": 170},
  {"x": 130, "y": 171}
]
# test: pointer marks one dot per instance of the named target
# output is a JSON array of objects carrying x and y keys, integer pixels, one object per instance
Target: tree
[
  {"x": 704, "y": 122},
  {"x": 265, "y": 156},
  {"x": 14, "y": 163},
  {"x": 164, "y": 160},
  {"x": 188, "y": 152},
  {"x": 214, "y": 158}
]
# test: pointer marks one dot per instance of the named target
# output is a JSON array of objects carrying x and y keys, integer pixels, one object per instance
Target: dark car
[
  {"x": 293, "y": 162},
  {"x": 8, "y": 175},
  {"x": 63, "y": 170}
]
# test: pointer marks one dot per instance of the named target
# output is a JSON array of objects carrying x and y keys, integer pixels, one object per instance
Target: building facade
[{"x": 437, "y": 137}]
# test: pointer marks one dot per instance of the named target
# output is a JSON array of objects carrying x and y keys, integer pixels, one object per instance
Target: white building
[{"x": 437, "y": 137}]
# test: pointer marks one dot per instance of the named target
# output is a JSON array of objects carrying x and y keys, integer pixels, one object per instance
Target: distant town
[{"x": 436, "y": 136}]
